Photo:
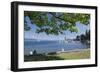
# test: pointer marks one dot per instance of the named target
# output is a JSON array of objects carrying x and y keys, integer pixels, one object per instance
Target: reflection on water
[{"x": 51, "y": 46}]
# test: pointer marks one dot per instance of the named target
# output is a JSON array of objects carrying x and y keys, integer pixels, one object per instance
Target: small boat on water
[{"x": 68, "y": 40}]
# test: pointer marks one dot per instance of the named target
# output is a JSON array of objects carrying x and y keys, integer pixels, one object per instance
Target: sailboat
[{"x": 67, "y": 40}]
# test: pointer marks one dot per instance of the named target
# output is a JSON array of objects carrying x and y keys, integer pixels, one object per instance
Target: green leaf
[{"x": 67, "y": 21}]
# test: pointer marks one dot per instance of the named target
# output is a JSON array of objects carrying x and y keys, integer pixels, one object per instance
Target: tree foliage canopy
[{"x": 55, "y": 22}]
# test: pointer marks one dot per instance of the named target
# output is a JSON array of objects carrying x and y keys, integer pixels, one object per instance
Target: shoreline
[
  {"x": 66, "y": 55},
  {"x": 73, "y": 50},
  {"x": 64, "y": 51}
]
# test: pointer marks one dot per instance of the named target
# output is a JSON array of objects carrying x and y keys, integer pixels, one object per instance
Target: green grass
[
  {"x": 41, "y": 58},
  {"x": 75, "y": 55},
  {"x": 61, "y": 56}
]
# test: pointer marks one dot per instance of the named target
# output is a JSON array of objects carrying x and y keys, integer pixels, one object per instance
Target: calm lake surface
[{"x": 44, "y": 46}]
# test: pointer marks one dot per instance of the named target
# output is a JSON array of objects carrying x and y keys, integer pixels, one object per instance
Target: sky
[{"x": 43, "y": 36}]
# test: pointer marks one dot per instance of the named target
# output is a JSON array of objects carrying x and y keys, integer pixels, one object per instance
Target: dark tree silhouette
[
  {"x": 84, "y": 37},
  {"x": 77, "y": 37}
]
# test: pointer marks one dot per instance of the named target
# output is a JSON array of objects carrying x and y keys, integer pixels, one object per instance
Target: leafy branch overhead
[{"x": 55, "y": 22}]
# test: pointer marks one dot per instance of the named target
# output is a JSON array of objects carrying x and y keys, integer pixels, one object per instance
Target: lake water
[{"x": 51, "y": 46}]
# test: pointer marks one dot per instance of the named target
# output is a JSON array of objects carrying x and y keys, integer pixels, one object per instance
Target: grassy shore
[
  {"x": 68, "y": 55},
  {"x": 75, "y": 55}
]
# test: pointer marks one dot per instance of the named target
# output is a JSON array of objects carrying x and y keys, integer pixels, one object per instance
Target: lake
[{"x": 46, "y": 46}]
